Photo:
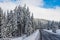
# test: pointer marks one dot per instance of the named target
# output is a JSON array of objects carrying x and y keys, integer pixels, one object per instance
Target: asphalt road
[{"x": 48, "y": 36}]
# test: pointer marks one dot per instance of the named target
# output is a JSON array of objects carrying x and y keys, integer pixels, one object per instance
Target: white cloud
[
  {"x": 44, "y": 13},
  {"x": 7, "y": 6},
  {"x": 32, "y": 2}
]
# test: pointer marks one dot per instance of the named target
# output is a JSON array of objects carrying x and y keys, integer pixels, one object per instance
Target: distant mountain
[{"x": 41, "y": 20}]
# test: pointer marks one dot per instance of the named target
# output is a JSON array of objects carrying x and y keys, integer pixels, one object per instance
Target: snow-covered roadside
[
  {"x": 34, "y": 36},
  {"x": 50, "y": 31},
  {"x": 58, "y": 31},
  {"x": 19, "y": 38}
]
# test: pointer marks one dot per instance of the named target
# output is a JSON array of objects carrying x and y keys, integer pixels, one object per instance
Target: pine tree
[
  {"x": 19, "y": 20},
  {"x": 53, "y": 27},
  {"x": 48, "y": 25},
  {"x": 32, "y": 22},
  {"x": 24, "y": 18},
  {"x": 4, "y": 26},
  {"x": 15, "y": 31},
  {"x": 59, "y": 25},
  {"x": 1, "y": 18},
  {"x": 9, "y": 23},
  {"x": 28, "y": 27}
]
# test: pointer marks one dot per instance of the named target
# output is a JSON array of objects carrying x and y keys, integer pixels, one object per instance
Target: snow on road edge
[{"x": 34, "y": 36}]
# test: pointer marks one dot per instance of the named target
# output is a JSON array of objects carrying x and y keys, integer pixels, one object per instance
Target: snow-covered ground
[
  {"x": 57, "y": 31},
  {"x": 19, "y": 38},
  {"x": 34, "y": 36}
]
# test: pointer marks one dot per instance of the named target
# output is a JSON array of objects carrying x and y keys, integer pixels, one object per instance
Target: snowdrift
[
  {"x": 34, "y": 36},
  {"x": 50, "y": 31}
]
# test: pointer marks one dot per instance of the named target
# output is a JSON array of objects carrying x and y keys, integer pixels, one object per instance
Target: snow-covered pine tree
[
  {"x": 19, "y": 19},
  {"x": 4, "y": 26},
  {"x": 39, "y": 24},
  {"x": 53, "y": 27},
  {"x": 24, "y": 18},
  {"x": 48, "y": 27},
  {"x": 15, "y": 31},
  {"x": 1, "y": 18},
  {"x": 32, "y": 23},
  {"x": 35, "y": 25},
  {"x": 28, "y": 27},
  {"x": 59, "y": 25},
  {"x": 9, "y": 23}
]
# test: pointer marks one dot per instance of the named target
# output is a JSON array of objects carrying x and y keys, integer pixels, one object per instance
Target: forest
[{"x": 18, "y": 22}]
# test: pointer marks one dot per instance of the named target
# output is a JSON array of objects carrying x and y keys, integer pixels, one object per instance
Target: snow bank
[
  {"x": 34, "y": 36},
  {"x": 57, "y": 31},
  {"x": 47, "y": 30},
  {"x": 19, "y": 38}
]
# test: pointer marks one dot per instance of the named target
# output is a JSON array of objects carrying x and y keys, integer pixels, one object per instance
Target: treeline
[
  {"x": 46, "y": 24},
  {"x": 16, "y": 22}
]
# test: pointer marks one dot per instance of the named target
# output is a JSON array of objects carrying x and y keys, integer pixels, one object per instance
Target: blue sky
[
  {"x": 51, "y": 3},
  {"x": 47, "y": 3},
  {"x": 42, "y": 9}
]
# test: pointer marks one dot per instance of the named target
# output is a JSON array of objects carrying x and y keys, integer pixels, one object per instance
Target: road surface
[{"x": 44, "y": 35}]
